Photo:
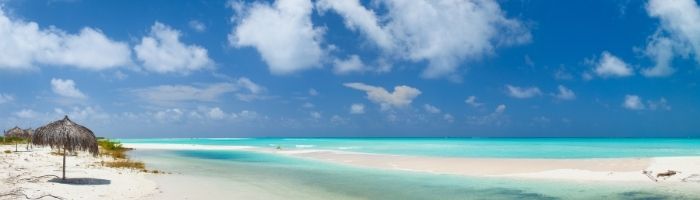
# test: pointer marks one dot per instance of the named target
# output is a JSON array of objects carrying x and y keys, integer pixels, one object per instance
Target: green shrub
[{"x": 112, "y": 148}]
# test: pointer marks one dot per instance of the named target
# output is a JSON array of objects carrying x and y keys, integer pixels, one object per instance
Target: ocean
[{"x": 299, "y": 178}]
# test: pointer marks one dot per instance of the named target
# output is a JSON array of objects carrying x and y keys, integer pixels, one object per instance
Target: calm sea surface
[{"x": 270, "y": 172}]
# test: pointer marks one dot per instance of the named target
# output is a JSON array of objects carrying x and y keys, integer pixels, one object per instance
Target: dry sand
[
  {"x": 34, "y": 175},
  {"x": 610, "y": 169}
]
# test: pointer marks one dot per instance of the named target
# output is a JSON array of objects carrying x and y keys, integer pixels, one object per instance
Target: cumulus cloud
[
  {"x": 216, "y": 113},
  {"x": 402, "y": 95},
  {"x": 169, "y": 94},
  {"x": 471, "y": 100},
  {"x": 612, "y": 66},
  {"x": 679, "y": 33},
  {"x": 431, "y": 109},
  {"x": 350, "y": 65},
  {"x": 444, "y": 33},
  {"x": 357, "y": 17},
  {"x": 357, "y": 108},
  {"x": 661, "y": 104},
  {"x": 633, "y": 102},
  {"x": 565, "y": 93},
  {"x": 173, "y": 94},
  {"x": 66, "y": 88},
  {"x": 448, "y": 117},
  {"x": 163, "y": 52},
  {"x": 254, "y": 91},
  {"x": 660, "y": 49},
  {"x": 315, "y": 115},
  {"x": 523, "y": 92},
  {"x": 197, "y": 26},
  {"x": 308, "y": 105},
  {"x": 6, "y": 98},
  {"x": 26, "y": 114},
  {"x": 496, "y": 117},
  {"x": 24, "y": 45},
  {"x": 313, "y": 92},
  {"x": 282, "y": 33}
]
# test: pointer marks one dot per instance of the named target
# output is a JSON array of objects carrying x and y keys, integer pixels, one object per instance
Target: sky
[{"x": 353, "y": 68}]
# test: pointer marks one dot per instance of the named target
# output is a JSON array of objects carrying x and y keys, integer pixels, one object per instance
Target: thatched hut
[{"x": 67, "y": 135}]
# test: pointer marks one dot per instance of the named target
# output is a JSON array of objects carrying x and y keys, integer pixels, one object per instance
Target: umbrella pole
[{"x": 64, "y": 164}]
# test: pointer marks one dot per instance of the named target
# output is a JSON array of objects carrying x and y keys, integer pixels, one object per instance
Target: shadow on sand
[{"x": 81, "y": 181}]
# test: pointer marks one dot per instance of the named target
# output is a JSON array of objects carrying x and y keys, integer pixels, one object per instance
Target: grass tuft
[
  {"x": 129, "y": 164},
  {"x": 8, "y": 151}
]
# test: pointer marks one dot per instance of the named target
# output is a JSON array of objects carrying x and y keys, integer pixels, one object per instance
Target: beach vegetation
[
  {"x": 112, "y": 148},
  {"x": 8, "y": 151},
  {"x": 125, "y": 163}
]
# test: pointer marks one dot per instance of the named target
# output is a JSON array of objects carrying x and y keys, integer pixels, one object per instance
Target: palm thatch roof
[
  {"x": 18, "y": 132},
  {"x": 67, "y": 135}
]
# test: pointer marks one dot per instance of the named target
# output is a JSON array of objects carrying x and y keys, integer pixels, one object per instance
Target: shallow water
[
  {"x": 470, "y": 147},
  {"x": 275, "y": 173}
]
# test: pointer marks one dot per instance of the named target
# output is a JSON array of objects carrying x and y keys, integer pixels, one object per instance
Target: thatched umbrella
[
  {"x": 17, "y": 132},
  {"x": 67, "y": 135}
]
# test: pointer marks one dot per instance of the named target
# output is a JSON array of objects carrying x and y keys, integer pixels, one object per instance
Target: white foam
[{"x": 182, "y": 146}]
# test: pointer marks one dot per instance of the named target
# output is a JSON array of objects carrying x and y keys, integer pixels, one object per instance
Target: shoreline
[{"x": 579, "y": 169}]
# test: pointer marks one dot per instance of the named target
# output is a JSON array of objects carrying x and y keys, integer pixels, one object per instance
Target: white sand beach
[
  {"x": 34, "y": 175},
  {"x": 602, "y": 169},
  {"x": 599, "y": 169}
]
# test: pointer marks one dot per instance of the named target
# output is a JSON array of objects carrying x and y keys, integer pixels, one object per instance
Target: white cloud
[
  {"x": 523, "y": 93},
  {"x": 6, "y": 98},
  {"x": 402, "y": 96},
  {"x": 661, "y": 104},
  {"x": 216, "y": 113},
  {"x": 254, "y": 90},
  {"x": 448, "y": 117},
  {"x": 173, "y": 94},
  {"x": 497, "y": 117},
  {"x": 168, "y": 115},
  {"x": 66, "y": 88},
  {"x": 315, "y": 115},
  {"x": 612, "y": 66},
  {"x": 660, "y": 49},
  {"x": 197, "y": 26},
  {"x": 163, "y": 52},
  {"x": 24, "y": 45},
  {"x": 679, "y": 33},
  {"x": 308, "y": 105},
  {"x": 471, "y": 100},
  {"x": 313, "y": 92},
  {"x": 282, "y": 33},
  {"x": 431, "y": 109},
  {"x": 565, "y": 93},
  {"x": 442, "y": 32},
  {"x": 26, "y": 114},
  {"x": 352, "y": 64},
  {"x": 500, "y": 109},
  {"x": 357, "y": 108},
  {"x": 633, "y": 102},
  {"x": 358, "y": 17}
]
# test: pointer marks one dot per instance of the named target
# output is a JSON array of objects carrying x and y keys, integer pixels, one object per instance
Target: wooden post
[{"x": 64, "y": 163}]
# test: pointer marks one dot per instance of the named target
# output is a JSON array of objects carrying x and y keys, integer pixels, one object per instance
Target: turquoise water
[
  {"x": 470, "y": 147},
  {"x": 289, "y": 176},
  {"x": 299, "y": 178}
]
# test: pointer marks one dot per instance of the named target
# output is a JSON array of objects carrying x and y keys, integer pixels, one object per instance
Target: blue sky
[{"x": 464, "y": 68}]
